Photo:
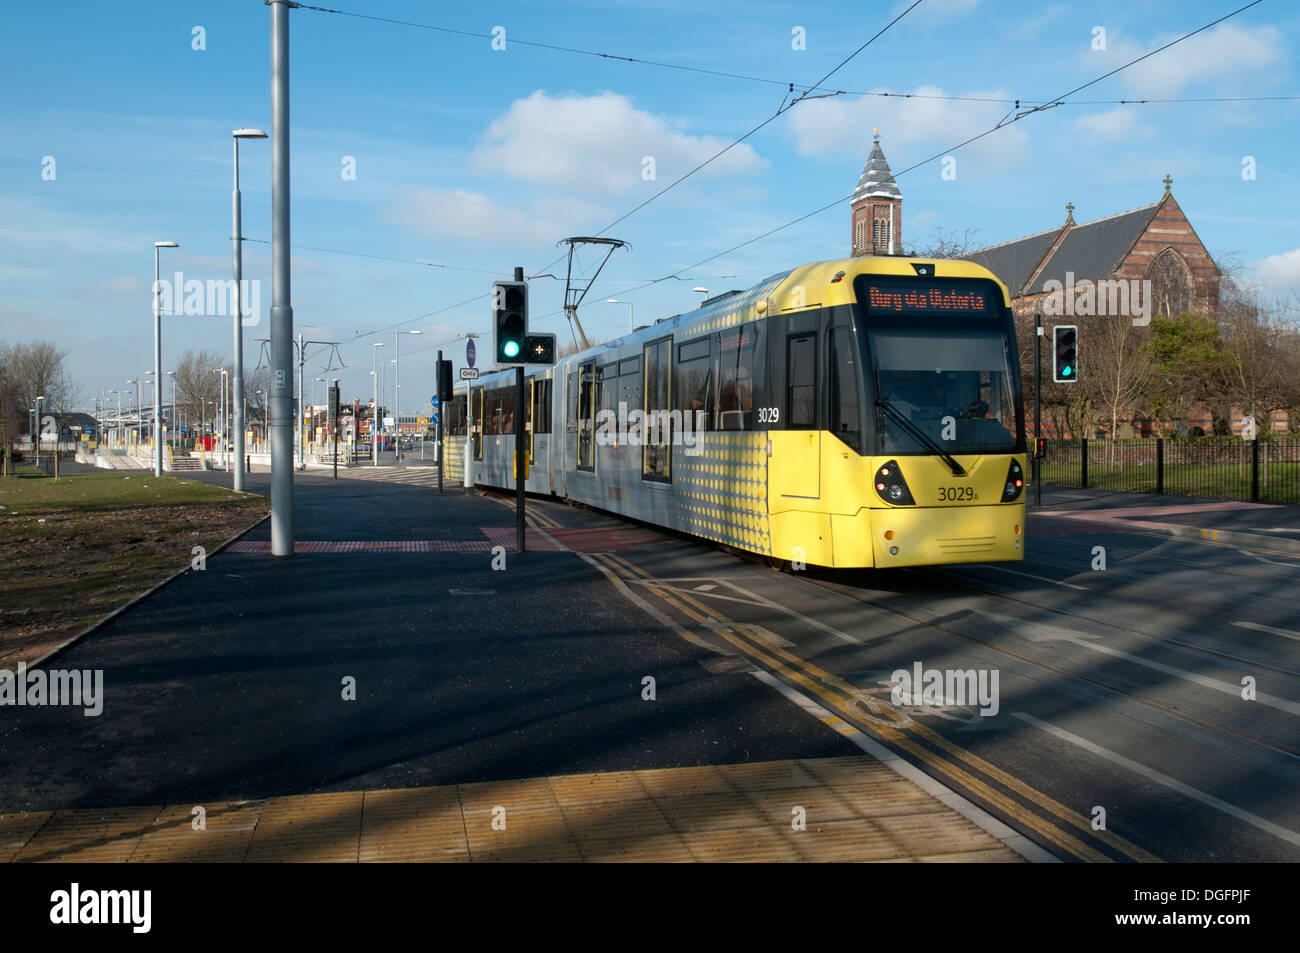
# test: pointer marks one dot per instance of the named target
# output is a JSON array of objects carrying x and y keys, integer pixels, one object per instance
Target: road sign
[
  {"x": 433, "y": 401},
  {"x": 423, "y": 424},
  {"x": 469, "y": 356},
  {"x": 469, "y": 373}
]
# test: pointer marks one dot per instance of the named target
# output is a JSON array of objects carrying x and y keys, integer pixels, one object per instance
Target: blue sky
[{"x": 484, "y": 159}]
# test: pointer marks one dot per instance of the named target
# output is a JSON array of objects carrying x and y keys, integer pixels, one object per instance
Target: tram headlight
[
  {"x": 1015, "y": 482},
  {"x": 891, "y": 487}
]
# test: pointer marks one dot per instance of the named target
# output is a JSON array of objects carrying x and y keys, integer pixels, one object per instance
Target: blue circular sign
[{"x": 469, "y": 352}]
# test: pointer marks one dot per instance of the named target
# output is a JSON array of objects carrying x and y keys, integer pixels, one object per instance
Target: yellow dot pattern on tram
[{"x": 723, "y": 490}]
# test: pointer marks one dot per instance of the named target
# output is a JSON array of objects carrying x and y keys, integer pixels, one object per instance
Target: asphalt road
[{"x": 1120, "y": 697}]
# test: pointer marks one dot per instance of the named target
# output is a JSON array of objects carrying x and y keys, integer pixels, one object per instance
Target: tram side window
[
  {"x": 843, "y": 369},
  {"x": 455, "y": 417},
  {"x": 801, "y": 382},
  {"x": 736, "y": 378},
  {"x": 693, "y": 383},
  {"x": 573, "y": 403},
  {"x": 499, "y": 411},
  {"x": 586, "y": 417},
  {"x": 656, "y": 459},
  {"x": 629, "y": 384},
  {"x": 541, "y": 408}
]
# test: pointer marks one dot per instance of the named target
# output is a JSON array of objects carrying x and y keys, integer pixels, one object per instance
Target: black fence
[{"x": 1229, "y": 468}]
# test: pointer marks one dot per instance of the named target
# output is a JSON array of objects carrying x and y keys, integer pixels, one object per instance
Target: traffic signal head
[
  {"x": 509, "y": 321},
  {"x": 444, "y": 381},
  {"x": 1065, "y": 353},
  {"x": 539, "y": 348}
]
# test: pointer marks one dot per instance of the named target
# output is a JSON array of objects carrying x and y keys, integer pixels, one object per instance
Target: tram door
[
  {"x": 538, "y": 424},
  {"x": 804, "y": 478}
]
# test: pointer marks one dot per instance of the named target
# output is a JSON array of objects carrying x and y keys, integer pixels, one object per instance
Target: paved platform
[{"x": 852, "y": 809}]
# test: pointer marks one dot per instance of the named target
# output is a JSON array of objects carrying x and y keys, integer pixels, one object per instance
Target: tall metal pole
[
  {"x": 1038, "y": 405},
  {"x": 238, "y": 384},
  {"x": 334, "y": 429},
  {"x": 397, "y": 399},
  {"x": 281, "y": 401},
  {"x": 442, "y": 412},
  {"x": 519, "y": 446},
  {"x": 157, "y": 367},
  {"x": 374, "y": 416},
  {"x": 302, "y": 435}
]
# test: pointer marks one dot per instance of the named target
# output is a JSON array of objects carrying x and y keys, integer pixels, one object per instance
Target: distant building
[{"x": 1155, "y": 243}]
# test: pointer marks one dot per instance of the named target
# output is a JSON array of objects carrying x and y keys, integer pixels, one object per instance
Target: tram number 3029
[
  {"x": 952, "y": 494},
  {"x": 769, "y": 415}
]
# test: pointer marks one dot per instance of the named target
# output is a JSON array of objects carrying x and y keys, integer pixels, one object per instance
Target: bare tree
[
  {"x": 198, "y": 384},
  {"x": 1118, "y": 367},
  {"x": 948, "y": 244}
]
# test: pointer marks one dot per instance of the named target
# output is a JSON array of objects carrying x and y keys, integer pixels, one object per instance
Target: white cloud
[
  {"x": 1122, "y": 122},
  {"x": 597, "y": 144},
  {"x": 461, "y": 215},
  {"x": 1229, "y": 59},
  {"x": 1279, "y": 275},
  {"x": 910, "y": 129}
]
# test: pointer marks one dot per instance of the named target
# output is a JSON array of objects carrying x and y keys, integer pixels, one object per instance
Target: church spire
[{"x": 877, "y": 207}]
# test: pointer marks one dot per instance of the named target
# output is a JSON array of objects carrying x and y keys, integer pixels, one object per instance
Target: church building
[{"x": 1155, "y": 243}]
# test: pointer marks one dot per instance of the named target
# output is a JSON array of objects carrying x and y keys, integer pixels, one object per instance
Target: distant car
[{"x": 406, "y": 443}]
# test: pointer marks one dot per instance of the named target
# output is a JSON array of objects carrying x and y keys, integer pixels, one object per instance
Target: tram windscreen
[{"x": 954, "y": 386}]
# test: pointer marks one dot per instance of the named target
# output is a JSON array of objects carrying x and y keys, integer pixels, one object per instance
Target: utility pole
[
  {"x": 519, "y": 439},
  {"x": 1038, "y": 405},
  {"x": 281, "y": 309}
]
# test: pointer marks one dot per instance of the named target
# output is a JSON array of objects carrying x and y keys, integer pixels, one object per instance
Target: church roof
[
  {"x": 1092, "y": 250},
  {"x": 1013, "y": 262},
  {"x": 1095, "y": 249},
  {"x": 876, "y": 179}
]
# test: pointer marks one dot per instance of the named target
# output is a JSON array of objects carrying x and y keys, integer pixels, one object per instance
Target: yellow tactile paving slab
[{"x": 834, "y": 809}]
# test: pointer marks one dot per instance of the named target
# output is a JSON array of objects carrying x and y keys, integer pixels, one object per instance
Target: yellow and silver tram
[{"x": 854, "y": 413}]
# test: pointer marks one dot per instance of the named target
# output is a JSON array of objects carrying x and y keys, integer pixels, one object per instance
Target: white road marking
[
  {"x": 1285, "y": 633},
  {"x": 1282, "y": 833},
  {"x": 756, "y": 599},
  {"x": 1271, "y": 562}
]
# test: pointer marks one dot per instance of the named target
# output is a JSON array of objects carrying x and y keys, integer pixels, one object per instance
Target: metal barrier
[{"x": 1228, "y": 468}]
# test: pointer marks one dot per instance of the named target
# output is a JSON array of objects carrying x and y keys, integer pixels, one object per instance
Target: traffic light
[
  {"x": 1065, "y": 353},
  {"x": 334, "y": 401},
  {"x": 539, "y": 348},
  {"x": 444, "y": 381},
  {"x": 509, "y": 321}
]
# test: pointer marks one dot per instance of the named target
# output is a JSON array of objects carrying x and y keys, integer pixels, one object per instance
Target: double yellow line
[{"x": 949, "y": 760}]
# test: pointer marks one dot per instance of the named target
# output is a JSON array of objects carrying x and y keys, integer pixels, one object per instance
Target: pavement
[{"x": 1269, "y": 527}]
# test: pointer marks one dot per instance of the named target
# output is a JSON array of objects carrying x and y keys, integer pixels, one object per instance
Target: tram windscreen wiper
[{"x": 884, "y": 404}]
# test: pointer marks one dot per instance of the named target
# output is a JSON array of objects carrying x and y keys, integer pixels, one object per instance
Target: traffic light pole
[
  {"x": 1038, "y": 404},
  {"x": 519, "y": 446},
  {"x": 442, "y": 412}
]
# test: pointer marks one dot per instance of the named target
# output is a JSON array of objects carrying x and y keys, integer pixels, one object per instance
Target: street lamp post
[
  {"x": 157, "y": 356},
  {"x": 225, "y": 418},
  {"x": 374, "y": 417},
  {"x": 137, "y": 409},
  {"x": 176, "y": 414},
  {"x": 236, "y": 237},
  {"x": 397, "y": 394},
  {"x": 314, "y": 405}
]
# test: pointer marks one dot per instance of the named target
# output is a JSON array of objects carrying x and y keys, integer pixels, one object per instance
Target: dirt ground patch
[{"x": 76, "y": 548}]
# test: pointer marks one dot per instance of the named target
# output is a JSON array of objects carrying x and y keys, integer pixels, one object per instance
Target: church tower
[{"x": 877, "y": 208}]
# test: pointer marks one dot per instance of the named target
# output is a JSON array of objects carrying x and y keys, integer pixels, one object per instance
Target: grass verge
[{"x": 76, "y": 548}]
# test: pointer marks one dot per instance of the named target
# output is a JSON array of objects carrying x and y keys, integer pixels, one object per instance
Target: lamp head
[
  {"x": 249, "y": 134},
  {"x": 166, "y": 245}
]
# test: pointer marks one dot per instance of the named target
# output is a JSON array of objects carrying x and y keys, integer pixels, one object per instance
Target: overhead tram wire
[
  {"x": 767, "y": 81},
  {"x": 785, "y": 107},
  {"x": 1003, "y": 123}
]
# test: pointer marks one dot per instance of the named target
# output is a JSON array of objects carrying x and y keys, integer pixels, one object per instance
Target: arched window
[{"x": 1171, "y": 284}]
